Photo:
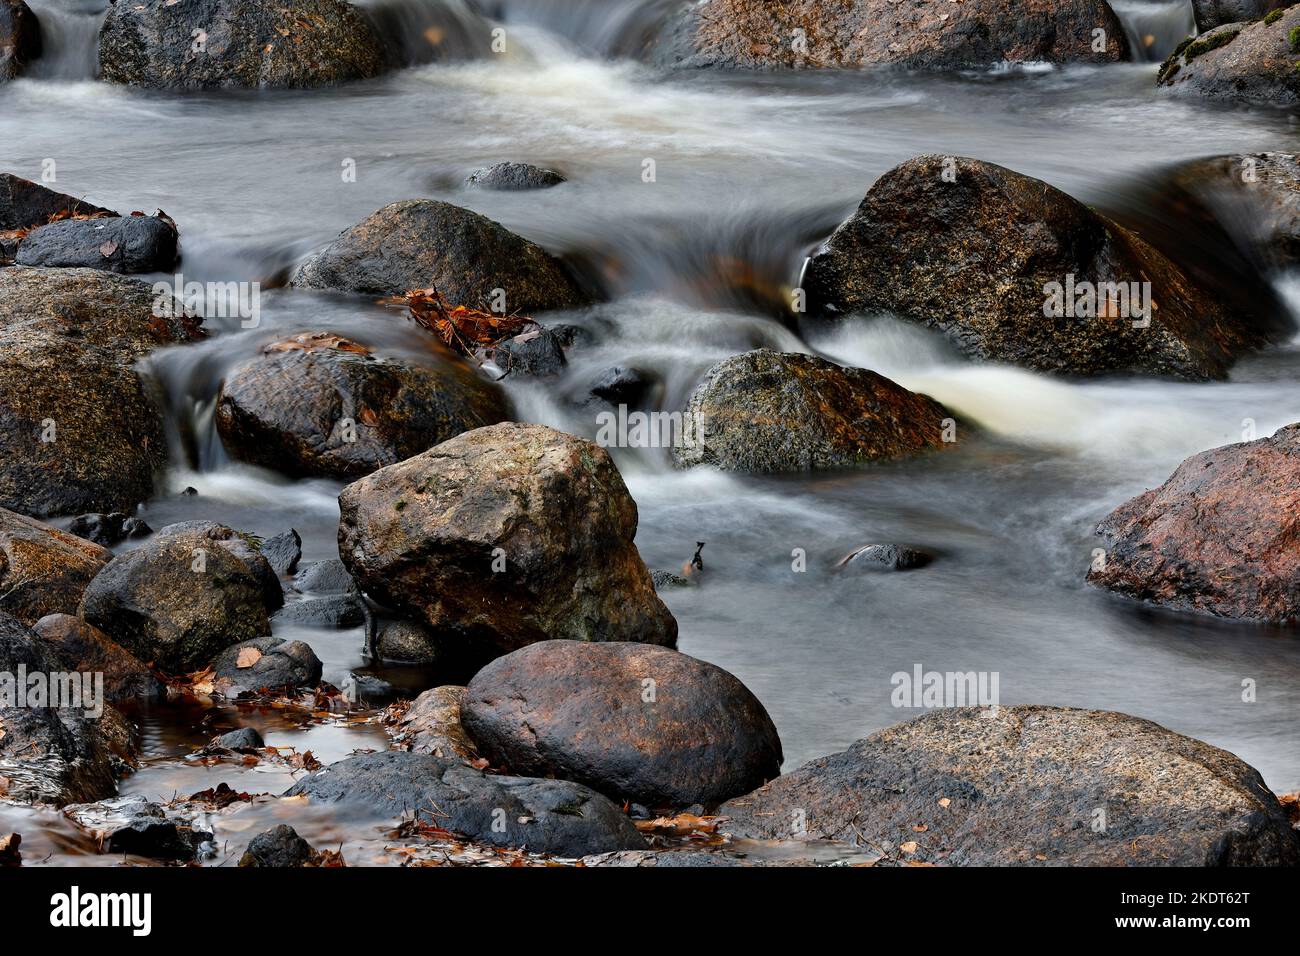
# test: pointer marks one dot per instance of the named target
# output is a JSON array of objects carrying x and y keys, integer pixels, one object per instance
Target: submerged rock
[
  {"x": 135, "y": 826},
  {"x": 514, "y": 176},
  {"x": 82, "y": 647},
  {"x": 108, "y": 530},
  {"x": 800, "y": 34},
  {"x": 1249, "y": 63},
  {"x": 331, "y": 611},
  {"x": 1031, "y": 785},
  {"x": 26, "y": 205},
  {"x": 423, "y": 242},
  {"x": 546, "y": 816},
  {"x": 986, "y": 256},
  {"x": 43, "y": 570},
  {"x": 182, "y": 597},
  {"x": 318, "y": 405},
  {"x": 765, "y": 411},
  {"x": 278, "y": 847},
  {"x": 207, "y": 44},
  {"x": 116, "y": 244},
  {"x": 884, "y": 557},
  {"x": 47, "y": 754},
  {"x": 20, "y": 40},
  {"x": 1257, "y": 195},
  {"x": 632, "y": 721},
  {"x": 265, "y": 664},
  {"x": 505, "y": 536},
  {"x": 431, "y": 724},
  {"x": 1219, "y": 536}
]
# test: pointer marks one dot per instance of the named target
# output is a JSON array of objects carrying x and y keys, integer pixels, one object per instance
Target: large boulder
[
  {"x": 20, "y": 39},
  {"x": 1222, "y": 535},
  {"x": 798, "y": 34},
  {"x": 82, "y": 647},
  {"x": 26, "y": 205},
  {"x": 83, "y": 432},
  {"x": 92, "y": 306},
  {"x": 54, "y": 755},
  {"x": 1029, "y": 785},
  {"x": 1013, "y": 270},
  {"x": 766, "y": 411},
  {"x": 43, "y": 570},
  {"x": 1249, "y": 63},
  {"x": 113, "y": 243},
  {"x": 318, "y": 404},
  {"x": 633, "y": 721},
  {"x": 206, "y": 44},
  {"x": 545, "y": 816},
  {"x": 422, "y": 243},
  {"x": 505, "y": 536},
  {"x": 182, "y": 597}
]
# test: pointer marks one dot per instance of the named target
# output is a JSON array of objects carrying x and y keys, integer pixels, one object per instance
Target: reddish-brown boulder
[{"x": 43, "y": 570}]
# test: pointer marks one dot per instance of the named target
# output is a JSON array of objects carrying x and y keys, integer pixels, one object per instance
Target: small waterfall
[
  {"x": 70, "y": 38},
  {"x": 427, "y": 31},
  {"x": 1155, "y": 27},
  {"x": 610, "y": 28}
]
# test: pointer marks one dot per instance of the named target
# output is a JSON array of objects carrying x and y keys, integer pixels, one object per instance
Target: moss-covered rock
[{"x": 1253, "y": 63}]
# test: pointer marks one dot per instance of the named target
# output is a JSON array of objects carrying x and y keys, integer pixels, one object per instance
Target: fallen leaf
[
  {"x": 108, "y": 248},
  {"x": 248, "y": 656},
  {"x": 911, "y": 846}
]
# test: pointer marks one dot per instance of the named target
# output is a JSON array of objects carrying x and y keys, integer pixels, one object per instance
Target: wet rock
[
  {"x": 118, "y": 244},
  {"x": 108, "y": 530},
  {"x": 243, "y": 739},
  {"x": 884, "y": 557},
  {"x": 980, "y": 253},
  {"x": 83, "y": 432},
  {"x": 319, "y": 405},
  {"x": 183, "y": 596},
  {"x": 668, "y": 579},
  {"x": 43, "y": 570},
  {"x": 408, "y": 642},
  {"x": 514, "y": 176},
  {"x": 430, "y": 724},
  {"x": 422, "y": 242},
  {"x": 621, "y": 385},
  {"x": 546, "y": 816},
  {"x": 265, "y": 664},
  {"x": 9, "y": 854},
  {"x": 278, "y": 847},
  {"x": 95, "y": 307},
  {"x": 324, "y": 577},
  {"x": 961, "y": 787},
  {"x": 47, "y": 755},
  {"x": 754, "y": 34},
  {"x": 1267, "y": 185},
  {"x": 367, "y": 690},
  {"x": 579, "y": 711},
  {"x": 332, "y": 611},
  {"x": 82, "y": 647},
  {"x": 26, "y": 205},
  {"x": 1219, "y": 536},
  {"x": 766, "y": 411},
  {"x": 537, "y": 352},
  {"x": 481, "y": 538},
  {"x": 135, "y": 826},
  {"x": 1215, "y": 13},
  {"x": 1249, "y": 63},
  {"x": 246, "y": 43},
  {"x": 20, "y": 38},
  {"x": 283, "y": 551}
]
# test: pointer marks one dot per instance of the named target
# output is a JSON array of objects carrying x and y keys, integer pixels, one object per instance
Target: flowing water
[{"x": 751, "y": 173}]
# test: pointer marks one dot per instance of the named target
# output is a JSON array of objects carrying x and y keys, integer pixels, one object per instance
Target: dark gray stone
[
  {"x": 514, "y": 176},
  {"x": 283, "y": 551},
  {"x": 324, "y": 577},
  {"x": 885, "y": 557},
  {"x": 245, "y": 738},
  {"x": 109, "y": 529},
  {"x": 278, "y": 847},
  {"x": 331, "y": 611},
  {"x": 280, "y": 665},
  {"x": 123, "y": 244}
]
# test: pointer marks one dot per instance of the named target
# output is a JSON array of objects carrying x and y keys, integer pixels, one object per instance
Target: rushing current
[{"x": 752, "y": 173}]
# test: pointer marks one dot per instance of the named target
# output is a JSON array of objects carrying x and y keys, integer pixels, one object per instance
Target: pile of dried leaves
[{"x": 462, "y": 329}]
